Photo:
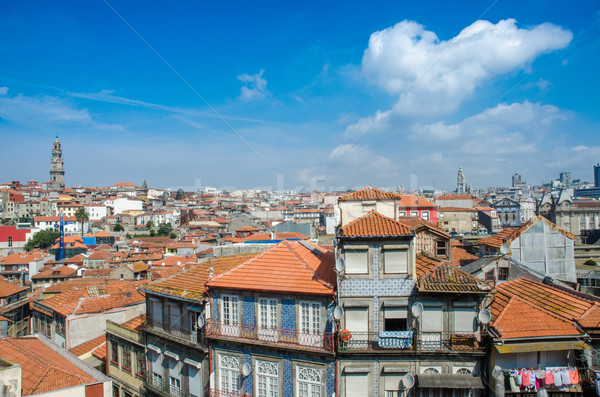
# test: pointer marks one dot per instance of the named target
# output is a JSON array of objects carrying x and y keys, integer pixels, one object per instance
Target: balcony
[
  {"x": 159, "y": 385},
  {"x": 408, "y": 341},
  {"x": 219, "y": 393},
  {"x": 277, "y": 337},
  {"x": 175, "y": 333}
]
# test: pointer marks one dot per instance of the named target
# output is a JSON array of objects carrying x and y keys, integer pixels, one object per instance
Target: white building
[
  {"x": 96, "y": 211},
  {"x": 123, "y": 204}
]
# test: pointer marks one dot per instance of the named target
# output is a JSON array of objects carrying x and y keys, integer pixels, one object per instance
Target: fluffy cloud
[
  {"x": 436, "y": 76},
  {"x": 255, "y": 86}
]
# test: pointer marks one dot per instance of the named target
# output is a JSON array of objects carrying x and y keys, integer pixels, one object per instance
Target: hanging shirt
[
  {"x": 557, "y": 378},
  {"x": 532, "y": 378},
  {"x": 549, "y": 378},
  {"x": 564, "y": 376},
  {"x": 526, "y": 379},
  {"x": 574, "y": 376},
  {"x": 519, "y": 378}
]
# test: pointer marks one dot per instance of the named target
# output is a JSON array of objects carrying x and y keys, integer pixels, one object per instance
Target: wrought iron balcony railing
[
  {"x": 220, "y": 393},
  {"x": 408, "y": 341},
  {"x": 278, "y": 337},
  {"x": 174, "y": 332}
]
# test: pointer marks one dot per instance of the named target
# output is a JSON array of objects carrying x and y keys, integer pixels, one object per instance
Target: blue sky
[{"x": 327, "y": 95}]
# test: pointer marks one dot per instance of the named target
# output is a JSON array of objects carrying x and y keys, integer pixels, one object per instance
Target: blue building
[
  {"x": 508, "y": 212},
  {"x": 271, "y": 330}
]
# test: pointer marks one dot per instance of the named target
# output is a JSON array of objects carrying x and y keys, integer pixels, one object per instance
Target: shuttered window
[
  {"x": 357, "y": 319},
  {"x": 464, "y": 319},
  {"x": 356, "y": 261},
  {"x": 357, "y": 384},
  {"x": 395, "y": 261}
]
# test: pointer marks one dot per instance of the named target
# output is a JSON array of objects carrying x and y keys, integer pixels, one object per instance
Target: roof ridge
[{"x": 318, "y": 276}]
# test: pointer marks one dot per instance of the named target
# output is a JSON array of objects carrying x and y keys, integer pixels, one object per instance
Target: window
[
  {"x": 267, "y": 374},
  {"x": 310, "y": 323},
  {"x": 116, "y": 391},
  {"x": 126, "y": 365},
  {"x": 463, "y": 371},
  {"x": 392, "y": 383},
  {"x": 127, "y": 394},
  {"x": 267, "y": 318},
  {"x": 356, "y": 261},
  {"x": 229, "y": 371},
  {"x": 174, "y": 315},
  {"x": 156, "y": 369},
  {"x": 431, "y": 327},
  {"x": 308, "y": 382},
  {"x": 489, "y": 277},
  {"x": 140, "y": 363},
  {"x": 10, "y": 241},
  {"x": 425, "y": 215},
  {"x": 174, "y": 377},
  {"x": 395, "y": 261},
  {"x": 503, "y": 274},
  {"x": 156, "y": 310},
  {"x": 395, "y": 318},
  {"x": 464, "y": 319},
  {"x": 356, "y": 384},
  {"x": 402, "y": 213},
  {"x": 414, "y": 213},
  {"x": 114, "y": 353},
  {"x": 230, "y": 315},
  {"x": 194, "y": 381},
  {"x": 440, "y": 248}
]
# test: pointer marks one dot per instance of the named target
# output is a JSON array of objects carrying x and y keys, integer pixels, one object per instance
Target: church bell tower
[{"x": 57, "y": 168}]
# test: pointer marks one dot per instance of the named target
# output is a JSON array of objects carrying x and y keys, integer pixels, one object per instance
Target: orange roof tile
[
  {"x": 170, "y": 261},
  {"x": 247, "y": 229},
  {"x": 42, "y": 369},
  {"x": 519, "y": 319},
  {"x": 460, "y": 257},
  {"x": 88, "y": 346},
  {"x": 375, "y": 224},
  {"x": 289, "y": 267},
  {"x": 191, "y": 284},
  {"x": 369, "y": 193},
  {"x": 60, "y": 272},
  {"x": 136, "y": 323},
  {"x": 426, "y": 263},
  {"x": 7, "y": 289},
  {"x": 412, "y": 201},
  {"x": 446, "y": 277}
]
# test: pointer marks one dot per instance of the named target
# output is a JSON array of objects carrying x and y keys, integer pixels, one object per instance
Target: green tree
[
  {"x": 173, "y": 236},
  {"x": 42, "y": 239},
  {"x": 82, "y": 216},
  {"x": 164, "y": 229},
  {"x": 118, "y": 227},
  {"x": 152, "y": 233},
  {"x": 150, "y": 225}
]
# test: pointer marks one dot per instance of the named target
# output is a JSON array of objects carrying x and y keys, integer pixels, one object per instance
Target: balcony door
[
  {"x": 431, "y": 327},
  {"x": 267, "y": 319},
  {"x": 230, "y": 315},
  {"x": 310, "y": 324}
]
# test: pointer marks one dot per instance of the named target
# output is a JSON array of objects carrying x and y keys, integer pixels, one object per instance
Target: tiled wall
[{"x": 288, "y": 314}]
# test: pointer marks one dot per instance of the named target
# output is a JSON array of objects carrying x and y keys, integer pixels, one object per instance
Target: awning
[
  {"x": 449, "y": 381},
  {"x": 542, "y": 346}
]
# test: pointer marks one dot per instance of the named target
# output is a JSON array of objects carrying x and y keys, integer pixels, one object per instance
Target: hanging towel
[
  {"x": 519, "y": 378},
  {"x": 526, "y": 379},
  {"x": 557, "y": 378}
]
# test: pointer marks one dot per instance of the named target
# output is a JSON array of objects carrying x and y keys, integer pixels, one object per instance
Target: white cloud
[
  {"x": 441, "y": 74},
  {"x": 503, "y": 129},
  {"x": 256, "y": 86},
  {"x": 3, "y": 90}
]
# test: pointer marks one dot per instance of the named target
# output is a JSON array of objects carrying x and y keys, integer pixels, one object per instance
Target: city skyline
[{"x": 357, "y": 95}]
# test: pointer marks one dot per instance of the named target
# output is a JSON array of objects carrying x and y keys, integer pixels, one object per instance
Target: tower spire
[{"x": 57, "y": 169}]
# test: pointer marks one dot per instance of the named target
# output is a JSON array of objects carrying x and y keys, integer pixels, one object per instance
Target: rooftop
[{"x": 373, "y": 224}]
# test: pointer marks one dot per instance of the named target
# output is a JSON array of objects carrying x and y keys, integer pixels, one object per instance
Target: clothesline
[{"x": 533, "y": 379}]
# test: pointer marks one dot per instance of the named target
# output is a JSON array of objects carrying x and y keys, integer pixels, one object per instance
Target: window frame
[{"x": 114, "y": 351}]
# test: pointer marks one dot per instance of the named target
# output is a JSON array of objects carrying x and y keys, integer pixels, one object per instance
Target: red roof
[
  {"x": 288, "y": 267},
  {"x": 88, "y": 346},
  {"x": 60, "y": 272},
  {"x": 42, "y": 369},
  {"x": 460, "y": 257},
  {"x": 412, "y": 201},
  {"x": 375, "y": 224},
  {"x": 7, "y": 289},
  {"x": 369, "y": 193}
]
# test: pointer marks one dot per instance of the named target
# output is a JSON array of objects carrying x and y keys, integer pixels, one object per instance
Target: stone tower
[
  {"x": 461, "y": 183},
  {"x": 57, "y": 168}
]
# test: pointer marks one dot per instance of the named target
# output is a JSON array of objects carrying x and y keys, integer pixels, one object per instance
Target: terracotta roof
[
  {"x": 417, "y": 223},
  {"x": 369, "y": 193},
  {"x": 42, "y": 369},
  {"x": 76, "y": 259},
  {"x": 375, "y": 224},
  {"x": 567, "y": 305},
  {"x": 103, "y": 234},
  {"x": 288, "y": 267},
  {"x": 425, "y": 263},
  {"x": 140, "y": 266},
  {"x": 136, "y": 323},
  {"x": 88, "y": 346},
  {"x": 499, "y": 238},
  {"x": 446, "y": 277},
  {"x": 278, "y": 236},
  {"x": 170, "y": 261},
  {"x": 60, "y": 272},
  {"x": 247, "y": 229},
  {"x": 412, "y": 201},
  {"x": 519, "y": 319},
  {"x": 97, "y": 272},
  {"x": 100, "y": 255},
  {"x": 191, "y": 284},
  {"x": 7, "y": 289},
  {"x": 460, "y": 257},
  {"x": 100, "y": 353},
  {"x": 95, "y": 299},
  {"x": 22, "y": 258}
]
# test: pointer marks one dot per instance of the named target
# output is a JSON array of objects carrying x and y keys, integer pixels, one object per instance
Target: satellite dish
[
  {"x": 504, "y": 249},
  {"x": 339, "y": 265},
  {"x": 417, "y": 309},
  {"x": 178, "y": 263},
  {"x": 338, "y": 312},
  {"x": 484, "y": 316},
  {"x": 200, "y": 322},
  {"x": 408, "y": 381},
  {"x": 246, "y": 369}
]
